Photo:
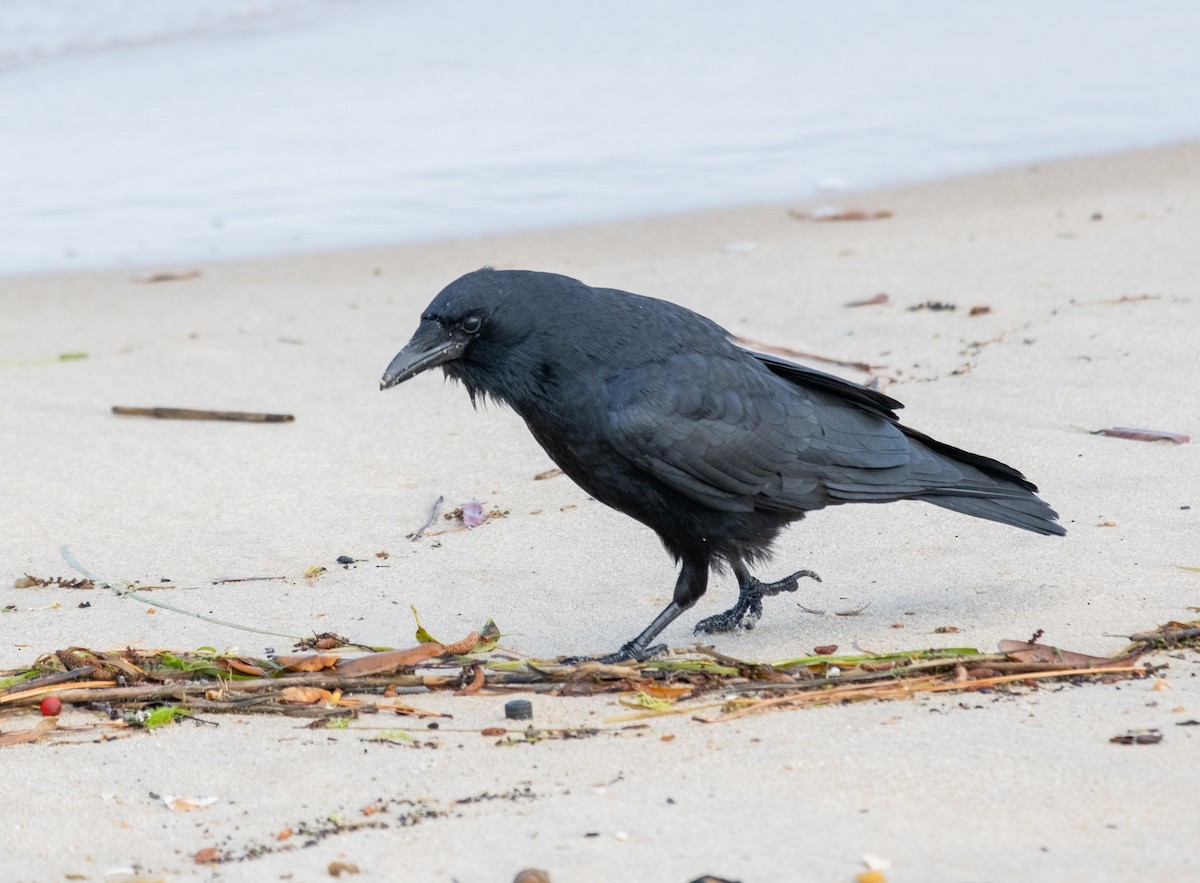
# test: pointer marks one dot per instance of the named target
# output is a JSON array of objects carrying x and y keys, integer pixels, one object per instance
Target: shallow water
[{"x": 138, "y": 131}]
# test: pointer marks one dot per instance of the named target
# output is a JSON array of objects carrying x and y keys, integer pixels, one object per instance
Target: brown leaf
[
  {"x": 314, "y": 662},
  {"x": 493, "y": 731},
  {"x": 1022, "y": 651},
  {"x": 305, "y": 695},
  {"x": 207, "y": 856},
  {"x": 241, "y": 666},
  {"x": 461, "y": 648},
  {"x": 389, "y": 660},
  {"x": 549, "y": 473},
  {"x": 825, "y": 650},
  {"x": 478, "y": 678}
]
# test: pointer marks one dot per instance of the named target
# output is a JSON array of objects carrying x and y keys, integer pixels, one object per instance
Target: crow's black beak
[{"x": 432, "y": 345}]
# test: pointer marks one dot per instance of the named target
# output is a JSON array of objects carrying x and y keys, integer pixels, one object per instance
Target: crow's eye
[{"x": 471, "y": 324}]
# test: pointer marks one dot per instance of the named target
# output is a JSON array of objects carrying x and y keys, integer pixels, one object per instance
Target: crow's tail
[{"x": 988, "y": 489}]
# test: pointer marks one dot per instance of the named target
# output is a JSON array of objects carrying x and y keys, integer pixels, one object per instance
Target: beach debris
[
  {"x": 51, "y": 706},
  {"x": 28, "y": 582},
  {"x": 383, "y": 555},
  {"x": 201, "y": 414},
  {"x": 825, "y": 650},
  {"x": 337, "y": 868},
  {"x": 428, "y": 523},
  {"x": 168, "y": 276},
  {"x": 881, "y": 298},
  {"x": 207, "y": 856},
  {"x": 531, "y": 875},
  {"x": 549, "y": 473},
  {"x": 518, "y": 710},
  {"x": 1137, "y": 737},
  {"x": 934, "y": 306},
  {"x": 314, "y": 571},
  {"x": 322, "y": 641},
  {"x": 471, "y": 514},
  {"x": 979, "y": 310},
  {"x": 188, "y": 804},
  {"x": 707, "y": 686},
  {"x": 837, "y": 213},
  {"x": 1150, "y": 435}
]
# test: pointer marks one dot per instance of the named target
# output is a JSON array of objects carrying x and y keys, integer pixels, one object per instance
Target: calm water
[{"x": 135, "y": 131}]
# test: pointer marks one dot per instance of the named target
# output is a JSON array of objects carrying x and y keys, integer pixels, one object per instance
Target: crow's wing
[{"x": 728, "y": 433}]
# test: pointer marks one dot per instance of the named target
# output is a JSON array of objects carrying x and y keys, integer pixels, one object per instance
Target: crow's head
[{"x": 484, "y": 329}]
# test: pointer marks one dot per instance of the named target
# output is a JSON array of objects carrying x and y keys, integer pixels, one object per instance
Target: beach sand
[{"x": 1088, "y": 272}]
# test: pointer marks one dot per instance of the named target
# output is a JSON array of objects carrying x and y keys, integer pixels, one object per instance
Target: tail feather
[{"x": 1027, "y": 512}]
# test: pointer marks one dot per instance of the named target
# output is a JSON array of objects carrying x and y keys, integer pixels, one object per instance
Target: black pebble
[
  {"x": 345, "y": 559},
  {"x": 518, "y": 710}
]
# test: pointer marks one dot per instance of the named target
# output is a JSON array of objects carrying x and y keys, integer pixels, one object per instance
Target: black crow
[{"x": 654, "y": 410}]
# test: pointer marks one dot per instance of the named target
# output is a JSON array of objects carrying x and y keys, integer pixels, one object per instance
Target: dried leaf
[
  {"x": 241, "y": 666},
  {"x": 388, "y": 661},
  {"x": 313, "y": 662},
  {"x": 1023, "y": 651},
  {"x": 411, "y": 711},
  {"x": 549, "y": 473},
  {"x": 305, "y": 696},
  {"x": 463, "y": 647}
]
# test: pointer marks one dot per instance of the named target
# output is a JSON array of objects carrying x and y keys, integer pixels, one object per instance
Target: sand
[{"x": 1088, "y": 272}]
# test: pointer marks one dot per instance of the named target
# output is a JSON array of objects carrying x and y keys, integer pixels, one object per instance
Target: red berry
[{"x": 51, "y": 706}]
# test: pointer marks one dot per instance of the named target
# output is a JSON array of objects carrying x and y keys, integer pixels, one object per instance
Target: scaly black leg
[
  {"x": 748, "y": 610},
  {"x": 692, "y": 581}
]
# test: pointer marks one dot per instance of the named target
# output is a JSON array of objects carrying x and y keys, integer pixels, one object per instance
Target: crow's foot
[
  {"x": 629, "y": 653},
  {"x": 748, "y": 610}
]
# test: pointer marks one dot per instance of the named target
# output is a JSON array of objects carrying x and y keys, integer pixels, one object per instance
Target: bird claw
[{"x": 748, "y": 610}]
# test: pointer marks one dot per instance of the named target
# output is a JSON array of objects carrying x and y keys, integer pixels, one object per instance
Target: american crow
[{"x": 654, "y": 411}]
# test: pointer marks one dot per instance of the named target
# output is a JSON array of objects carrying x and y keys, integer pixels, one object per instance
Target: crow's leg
[
  {"x": 748, "y": 609},
  {"x": 693, "y": 580}
]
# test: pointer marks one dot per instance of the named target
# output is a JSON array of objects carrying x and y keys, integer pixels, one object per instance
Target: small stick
[{"x": 199, "y": 414}]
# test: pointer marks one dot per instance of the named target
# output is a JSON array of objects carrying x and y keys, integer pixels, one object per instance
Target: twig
[
  {"x": 58, "y": 677},
  {"x": 201, "y": 414}
]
